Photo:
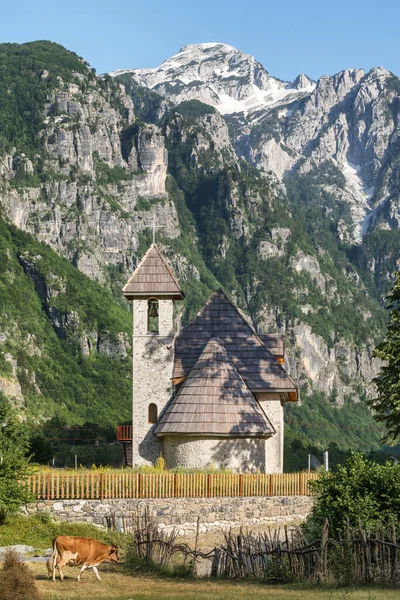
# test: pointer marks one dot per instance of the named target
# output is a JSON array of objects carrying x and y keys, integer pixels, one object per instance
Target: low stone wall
[{"x": 182, "y": 513}]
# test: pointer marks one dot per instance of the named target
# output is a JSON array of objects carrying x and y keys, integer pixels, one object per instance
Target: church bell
[{"x": 153, "y": 312}]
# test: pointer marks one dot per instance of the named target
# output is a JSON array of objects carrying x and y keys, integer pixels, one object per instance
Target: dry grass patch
[
  {"x": 17, "y": 581},
  {"x": 117, "y": 585}
]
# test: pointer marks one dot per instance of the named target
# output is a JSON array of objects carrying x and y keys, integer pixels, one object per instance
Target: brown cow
[{"x": 74, "y": 551}]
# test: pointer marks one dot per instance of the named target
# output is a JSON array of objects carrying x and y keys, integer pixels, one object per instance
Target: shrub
[
  {"x": 40, "y": 529},
  {"x": 160, "y": 463},
  {"x": 362, "y": 491},
  {"x": 16, "y": 579},
  {"x": 14, "y": 464}
]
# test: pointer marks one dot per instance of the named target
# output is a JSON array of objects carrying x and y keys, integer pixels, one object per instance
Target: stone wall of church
[
  {"x": 273, "y": 408},
  {"x": 240, "y": 455},
  {"x": 152, "y": 359}
]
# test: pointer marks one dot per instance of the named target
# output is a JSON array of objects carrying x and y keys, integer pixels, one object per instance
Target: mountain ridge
[{"x": 282, "y": 129}]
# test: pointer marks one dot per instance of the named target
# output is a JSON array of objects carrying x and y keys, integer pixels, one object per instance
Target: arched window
[
  {"x": 152, "y": 315},
  {"x": 153, "y": 413}
]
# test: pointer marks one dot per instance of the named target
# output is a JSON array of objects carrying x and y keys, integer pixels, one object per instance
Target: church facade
[{"x": 211, "y": 395}]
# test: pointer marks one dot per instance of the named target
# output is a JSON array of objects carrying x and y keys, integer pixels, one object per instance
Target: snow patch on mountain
[
  {"x": 220, "y": 75},
  {"x": 360, "y": 207}
]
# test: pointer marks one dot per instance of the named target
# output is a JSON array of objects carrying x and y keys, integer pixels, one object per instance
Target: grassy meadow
[{"x": 118, "y": 585}]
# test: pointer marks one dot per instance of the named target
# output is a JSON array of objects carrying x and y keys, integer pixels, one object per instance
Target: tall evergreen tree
[{"x": 387, "y": 402}]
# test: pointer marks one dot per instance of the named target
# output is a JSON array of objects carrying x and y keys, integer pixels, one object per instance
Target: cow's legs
[
  {"x": 62, "y": 563},
  {"x": 54, "y": 560},
  {"x": 56, "y": 564},
  {"x": 97, "y": 573},
  {"x": 81, "y": 571}
]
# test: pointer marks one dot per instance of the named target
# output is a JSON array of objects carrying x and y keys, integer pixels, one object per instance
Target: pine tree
[{"x": 386, "y": 405}]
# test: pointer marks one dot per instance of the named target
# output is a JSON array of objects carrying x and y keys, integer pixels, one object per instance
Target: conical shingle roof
[
  {"x": 214, "y": 400},
  {"x": 153, "y": 277},
  {"x": 257, "y": 366}
]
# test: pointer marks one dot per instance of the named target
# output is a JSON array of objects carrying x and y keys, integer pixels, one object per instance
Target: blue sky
[{"x": 311, "y": 36}]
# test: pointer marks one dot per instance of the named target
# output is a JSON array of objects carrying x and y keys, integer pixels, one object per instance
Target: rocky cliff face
[
  {"x": 349, "y": 119},
  {"x": 100, "y": 187}
]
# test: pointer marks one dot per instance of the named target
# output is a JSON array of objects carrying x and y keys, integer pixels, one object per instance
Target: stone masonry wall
[
  {"x": 152, "y": 362},
  {"x": 182, "y": 513},
  {"x": 240, "y": 455},
  {"x": 273, "y": 408}
]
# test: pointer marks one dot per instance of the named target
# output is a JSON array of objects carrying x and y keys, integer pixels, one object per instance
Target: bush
[
  {"x": 16, "y": 579},
  {"x": 14, "y": 464},
  {"x": 362, "y": 491},
  {"x": 40, "y": 529}
]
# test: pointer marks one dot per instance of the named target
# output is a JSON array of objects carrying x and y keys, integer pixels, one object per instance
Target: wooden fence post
[
  {"x": 241, "y": 484},
  {"x": 102, "y": 487},
  {"x": 270, "y": 486},
  {"x": 301, "y": 485}
]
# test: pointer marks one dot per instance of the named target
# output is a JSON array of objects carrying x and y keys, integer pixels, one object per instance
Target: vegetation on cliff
[{"x": 63, "y": 336}]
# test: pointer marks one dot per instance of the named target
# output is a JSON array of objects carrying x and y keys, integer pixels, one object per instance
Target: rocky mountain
[
  {"x": 349, "y": 120},
  {"x": 219, "y": 75},
  {"x": 241, "y": 171}
]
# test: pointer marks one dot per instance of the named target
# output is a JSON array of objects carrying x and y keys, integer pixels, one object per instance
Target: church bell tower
[{"x": 152, "y": 289}]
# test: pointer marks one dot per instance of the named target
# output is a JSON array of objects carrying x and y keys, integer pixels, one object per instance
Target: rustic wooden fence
[
  {"x": 59, "y": 485},
  {"x": 357, "y": 557}
]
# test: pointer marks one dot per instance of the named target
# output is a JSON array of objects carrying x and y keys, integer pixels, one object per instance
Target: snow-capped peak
[
  {"x": 205, "y": 46},
  {"x": 220, "y": 75}
]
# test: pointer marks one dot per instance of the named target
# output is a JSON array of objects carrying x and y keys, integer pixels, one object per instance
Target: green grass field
[{"x": 117, "y": 585}]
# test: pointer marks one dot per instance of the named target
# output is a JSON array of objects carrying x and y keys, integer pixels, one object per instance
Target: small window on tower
[
  {"x": 152, "y": 316},
  {"x": 153, "y": 413}
]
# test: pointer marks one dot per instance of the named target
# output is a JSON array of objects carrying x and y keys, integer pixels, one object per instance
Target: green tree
[
  {"x": 14, "y": 459},
  {"x": 386, "y": 405},
  {"x": 362, "y": 491}
]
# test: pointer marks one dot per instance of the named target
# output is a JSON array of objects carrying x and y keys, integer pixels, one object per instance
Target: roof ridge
[{"x": 153, "y": 275}]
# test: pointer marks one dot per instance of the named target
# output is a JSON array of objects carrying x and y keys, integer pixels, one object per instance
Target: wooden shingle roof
[
  {"x": 274, "y": 342},
  {"x": 219, "y": 318},
  {"x": 214, "y": 400},
  {"x": 153, "y": 277}
]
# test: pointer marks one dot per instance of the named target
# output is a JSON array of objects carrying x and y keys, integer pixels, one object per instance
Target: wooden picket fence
[{"x": 59, "y": 485}]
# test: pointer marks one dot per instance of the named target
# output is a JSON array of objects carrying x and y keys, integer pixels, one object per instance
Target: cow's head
[{"x": 113, "y": 553}]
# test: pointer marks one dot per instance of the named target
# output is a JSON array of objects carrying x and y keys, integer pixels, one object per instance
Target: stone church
[{"x": 214, "y": 393}]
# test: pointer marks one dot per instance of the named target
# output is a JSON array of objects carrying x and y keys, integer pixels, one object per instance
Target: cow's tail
[{"x": 54, "y": 559}]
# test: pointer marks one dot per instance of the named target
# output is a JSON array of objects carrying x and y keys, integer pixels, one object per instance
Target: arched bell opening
[
  {"x": 152, "y": 315},
  {"x": 153, "y": 413}
]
